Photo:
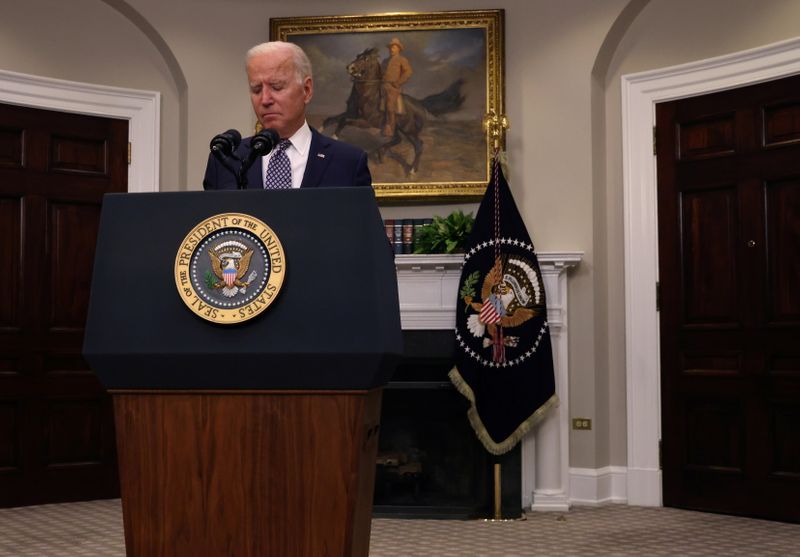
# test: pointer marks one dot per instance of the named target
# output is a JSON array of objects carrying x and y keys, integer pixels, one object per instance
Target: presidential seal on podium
[{"x": 230, "y": 268}]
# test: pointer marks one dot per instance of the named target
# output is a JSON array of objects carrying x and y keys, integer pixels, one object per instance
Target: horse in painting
[{"x": 365, "y": 109}]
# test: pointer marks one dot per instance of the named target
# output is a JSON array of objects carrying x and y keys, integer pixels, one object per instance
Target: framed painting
[{"x": 412, "y": 90}]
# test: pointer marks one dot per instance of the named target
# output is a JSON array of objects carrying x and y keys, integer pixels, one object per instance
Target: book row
[{"x": 403, "y": 233}]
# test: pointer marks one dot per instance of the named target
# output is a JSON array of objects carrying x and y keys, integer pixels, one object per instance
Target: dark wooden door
[
  {"x": 56, "y": 424},
  {"x": 729, "y": 271}
]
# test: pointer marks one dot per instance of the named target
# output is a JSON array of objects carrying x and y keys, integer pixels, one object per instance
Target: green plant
[{"x": 445, "y": 235}]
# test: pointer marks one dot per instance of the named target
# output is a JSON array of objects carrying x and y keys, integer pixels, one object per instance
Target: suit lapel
[
  {"x": 318, "y": 159},
  {"x": 255, "y": 176}
]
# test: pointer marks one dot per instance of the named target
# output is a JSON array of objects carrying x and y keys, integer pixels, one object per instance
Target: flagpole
[
  {"x": 498, "y": 513},
  {"x": 495, "y": 126}
]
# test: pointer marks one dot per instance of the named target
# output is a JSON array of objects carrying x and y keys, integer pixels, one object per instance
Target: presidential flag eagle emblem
[{"x": 512, "y": 293}]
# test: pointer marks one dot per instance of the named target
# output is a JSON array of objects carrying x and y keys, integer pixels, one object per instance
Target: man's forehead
[{"x": 271, "y": 63}]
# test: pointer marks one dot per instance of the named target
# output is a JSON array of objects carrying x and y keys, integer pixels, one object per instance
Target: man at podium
[{"x": 281, "y": 85}]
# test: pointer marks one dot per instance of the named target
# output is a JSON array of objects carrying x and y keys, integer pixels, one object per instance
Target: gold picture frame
[{"x": 456, "y": 60}]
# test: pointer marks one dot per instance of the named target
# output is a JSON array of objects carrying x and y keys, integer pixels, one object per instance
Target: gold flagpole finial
[{"x": 495, "y": 125}]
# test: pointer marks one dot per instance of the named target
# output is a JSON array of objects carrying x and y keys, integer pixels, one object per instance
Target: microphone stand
[
  {"x": 261, "y": 144},
  {"x": 241, "y": 176},
  {"x": 241, "y": 180}
]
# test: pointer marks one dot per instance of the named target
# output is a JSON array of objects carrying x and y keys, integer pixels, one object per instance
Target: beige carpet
[{"x": 95, "y": 529}]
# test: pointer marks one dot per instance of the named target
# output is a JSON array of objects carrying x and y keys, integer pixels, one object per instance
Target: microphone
[
  {"x": 260, "y": 144},
  {"x": 223, "y": 145},
  {"x": 264, "y": 141}
]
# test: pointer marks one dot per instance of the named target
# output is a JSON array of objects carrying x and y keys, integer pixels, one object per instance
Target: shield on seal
[{"x": 229, "y": 275}]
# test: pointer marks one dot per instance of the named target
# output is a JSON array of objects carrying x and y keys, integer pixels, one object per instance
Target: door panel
[
  {"x": 10, "y": 261},
  {"x": 73, "y": 231},
  {"x": 9, "y": 438},
  {"x": 729, "y": 269},
  {"x": 74, "y": 431},
  {"x": 785, "y": 458},
  {"x": 11, "y": 147},
  {"x": 714, "y": 434},
  {"x": 781, "y": 124},
  {"x": 783, "y": 243},
  {"x": 79, "y": 155},
  {"x": 710, "y": 276},
  {"x": 709, "y": 137}
]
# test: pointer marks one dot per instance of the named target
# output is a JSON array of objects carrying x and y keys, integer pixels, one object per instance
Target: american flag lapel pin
[{"x": 321, "y": 155}]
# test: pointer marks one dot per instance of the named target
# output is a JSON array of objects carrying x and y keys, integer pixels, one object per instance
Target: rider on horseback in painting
[
  {"x": 397, "y": 71},
  {"x": 368, "y": 106}
]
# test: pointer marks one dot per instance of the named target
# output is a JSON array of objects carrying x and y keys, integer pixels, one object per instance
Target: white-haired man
[{"x": 281, "y": 85}]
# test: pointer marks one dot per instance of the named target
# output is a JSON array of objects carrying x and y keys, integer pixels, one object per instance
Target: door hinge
[
  {"x": 659, "y": 455},
  {"x": 129, "y": 152},
  {"x": 658, "y": 296},
  {"x": 654, "y": 141}
]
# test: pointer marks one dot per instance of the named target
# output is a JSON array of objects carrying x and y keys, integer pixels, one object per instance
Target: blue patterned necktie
[{"x": 279, "y": 171}]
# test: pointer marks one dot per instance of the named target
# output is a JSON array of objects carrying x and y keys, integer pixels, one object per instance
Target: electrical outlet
[{"x": 581, "y": 423}]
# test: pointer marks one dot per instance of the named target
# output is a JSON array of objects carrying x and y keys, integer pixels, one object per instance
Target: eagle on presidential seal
[
  {"x": 230, "y": 262},
  {"x": 512, "y": 293}
]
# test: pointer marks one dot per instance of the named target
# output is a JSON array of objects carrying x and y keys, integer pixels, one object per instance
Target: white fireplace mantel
[{"x": 428, "y": 289}]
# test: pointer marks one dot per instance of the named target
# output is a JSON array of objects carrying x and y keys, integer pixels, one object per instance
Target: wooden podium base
[{"x": 255, "y": 473}]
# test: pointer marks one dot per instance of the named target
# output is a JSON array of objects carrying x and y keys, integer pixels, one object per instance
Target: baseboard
[
  {"x": 644, "y": 487},
  {"x": 598, "y": 486}
]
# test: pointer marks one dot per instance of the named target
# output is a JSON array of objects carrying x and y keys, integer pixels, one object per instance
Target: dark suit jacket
[{"x": 330, "y": 163}]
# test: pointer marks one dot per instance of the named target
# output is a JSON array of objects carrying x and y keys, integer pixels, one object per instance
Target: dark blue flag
[{"x": 503, "y": 356}]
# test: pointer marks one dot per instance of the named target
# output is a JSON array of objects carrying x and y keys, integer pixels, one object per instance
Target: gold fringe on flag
[{"x": 480, "y": 430}]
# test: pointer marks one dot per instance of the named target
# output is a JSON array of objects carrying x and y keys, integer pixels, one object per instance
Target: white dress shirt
[{"x": 297, "y": 153}]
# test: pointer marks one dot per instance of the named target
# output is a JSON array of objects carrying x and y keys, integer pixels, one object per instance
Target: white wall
[{"x": 563, "y": 63}]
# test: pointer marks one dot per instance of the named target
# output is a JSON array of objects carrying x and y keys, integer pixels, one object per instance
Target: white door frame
[
  {"x": 640, "y": 93},
  {"x": 140, "y": 108}
]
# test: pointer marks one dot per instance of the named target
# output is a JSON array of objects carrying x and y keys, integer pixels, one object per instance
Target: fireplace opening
[{"x": 430, "y": 464}]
